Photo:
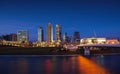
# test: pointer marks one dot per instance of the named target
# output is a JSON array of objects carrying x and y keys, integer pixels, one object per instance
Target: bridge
[
  {"x": 99, "y": 45},
  {"x": 99, "y": 48}
]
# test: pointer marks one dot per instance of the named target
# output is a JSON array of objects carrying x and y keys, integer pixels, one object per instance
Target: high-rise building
[
  {"x": 1, "y": 38},
  {"x": 65, "y": 37},
  {"x": 40, "y": 34},
  {"x": 10, "y": 37},
  {"x": 76, "y": 37},
  {"x": 69, "y": 39},
  {"x": 49, "y": 32},
  {"x": 58, "y": 33},
  {"x": 23, "y": 36},
  {"x": 6, "y": 37},
  {"x": 13, "y": 37}
]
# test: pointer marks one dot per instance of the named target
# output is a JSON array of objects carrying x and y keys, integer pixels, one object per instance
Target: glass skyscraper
[
  {"x": 40, "y": 34},
  {"x": 76, "y": 37},
  {"x": 23, "y": 36},
  {"x": 58, "y": 33}
]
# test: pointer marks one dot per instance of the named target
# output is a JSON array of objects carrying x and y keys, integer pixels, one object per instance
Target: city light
[
  {"x": 87, "y": 66},
  {"x": 21, "y": 39}
]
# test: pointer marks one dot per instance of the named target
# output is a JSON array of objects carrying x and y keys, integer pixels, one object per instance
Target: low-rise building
[
  {"x": 93, "y": 41},
  {"x": 112, "y": 41}
]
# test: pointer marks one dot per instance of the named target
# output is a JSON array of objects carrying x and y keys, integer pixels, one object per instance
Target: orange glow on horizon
[{"x": 87, "y": 66}]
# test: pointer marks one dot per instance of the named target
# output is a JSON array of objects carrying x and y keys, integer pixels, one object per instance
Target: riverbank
[
  {"x": 7, "y": 50},
  {"x": 106, "y": 50}
]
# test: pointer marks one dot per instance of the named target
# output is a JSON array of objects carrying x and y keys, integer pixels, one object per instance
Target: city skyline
[
  {"x": 54, "y": 33},
  {"x": 84, "y": 16}
]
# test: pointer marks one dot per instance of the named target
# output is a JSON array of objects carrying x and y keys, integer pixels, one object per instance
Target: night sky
[{"x": 85, "y": 16}]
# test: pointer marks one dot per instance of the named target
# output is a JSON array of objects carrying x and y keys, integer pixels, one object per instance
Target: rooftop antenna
[{"x": 95, "y": 34}]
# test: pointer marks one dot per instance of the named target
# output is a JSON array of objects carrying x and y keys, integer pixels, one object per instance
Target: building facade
[
  {"x": 13, "y": 37},
  {"x": 58, "y": 33},
  {"x": 23, "y": 36},
  {"x": 64, "y": 37},
  {"x": 76, "y": 37},
  {"x": 93, "y": 41},
  {"x": 113, "y": 41},
  {"x": 10, "y": 37},
  {"x": 49, "y": 32},
  {"x": 40, "y": 34}
]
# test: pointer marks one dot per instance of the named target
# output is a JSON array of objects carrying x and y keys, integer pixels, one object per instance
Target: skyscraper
[
  {"x": 49, "y": 32},
  {"x": 76, "y": 37},
  {"x": 58, "y": 33},
  {"x": 13, "y": 37},
  {"x": 65, "y": 37},
  {"x": 6, "y": 37},
  {"x": 10, "y": 37},
  {"x": 40, "y": 34},
  {"x": 23, "y": 36}
]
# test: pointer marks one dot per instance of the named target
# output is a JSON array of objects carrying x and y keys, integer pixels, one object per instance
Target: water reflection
[
  {"x": 56, "y": 65},
  {"x": 65, "y": 66},
  {"x": 73, "y": 65},
  {"x": 48, "y": 66},
  {"x": 19, "y": 67},
  {"x": 87, "y": 66},
  {"x": 99, "y": 59}
]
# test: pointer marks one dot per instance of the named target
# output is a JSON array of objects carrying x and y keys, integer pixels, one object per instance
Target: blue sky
[{"x": 85, "y": 16}]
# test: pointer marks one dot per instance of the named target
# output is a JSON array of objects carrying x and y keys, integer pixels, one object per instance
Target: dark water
[{"x": 97, "y": 64}]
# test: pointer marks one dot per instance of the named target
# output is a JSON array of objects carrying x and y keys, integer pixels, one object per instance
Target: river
[{"x": 60, "y": 64}]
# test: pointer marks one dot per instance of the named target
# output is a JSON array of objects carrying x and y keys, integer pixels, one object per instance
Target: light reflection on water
[
  {"x": 48, "y": 66},
  {"x": 19, "y": 67},
  {"x": 56, "y": 65},
  {"x": 92, "y": 67}
]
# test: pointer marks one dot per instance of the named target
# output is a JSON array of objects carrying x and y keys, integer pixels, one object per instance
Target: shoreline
[
  {"x": 54, "y": 51},
  {"x": 72, "y": 55},
  {"x": 107, "y": 54}
]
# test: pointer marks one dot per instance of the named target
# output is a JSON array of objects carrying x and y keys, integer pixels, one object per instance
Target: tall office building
[
  {"x": 58, "y": 33},
  {"x": 49, "y": 32},
  {"x": 6, "y": 37},
  {"x": 10, "y": 37},
  {"x": 23, "y": 36},
  {"x": 76, "y": 37},
  {"x": 13, "y": 37},
  {"x": 40, "y": 34},
  {"x": 65, "y": 37}
]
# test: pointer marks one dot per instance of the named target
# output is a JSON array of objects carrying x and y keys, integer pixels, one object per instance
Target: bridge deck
[{"x": 100, "y": 45}]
